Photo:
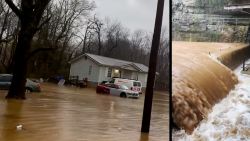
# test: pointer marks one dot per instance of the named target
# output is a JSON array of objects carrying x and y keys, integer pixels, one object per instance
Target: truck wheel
[{"x": 123, "y": 95}]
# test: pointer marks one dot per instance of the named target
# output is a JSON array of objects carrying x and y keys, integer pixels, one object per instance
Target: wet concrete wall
[{"x": 233, "y": 59}]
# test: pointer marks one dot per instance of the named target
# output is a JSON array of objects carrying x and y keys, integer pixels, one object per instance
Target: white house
[{"x": 99, "y": 68}]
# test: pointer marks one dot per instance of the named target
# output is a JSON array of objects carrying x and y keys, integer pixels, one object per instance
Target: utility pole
[{"x": 152, "y": 68}]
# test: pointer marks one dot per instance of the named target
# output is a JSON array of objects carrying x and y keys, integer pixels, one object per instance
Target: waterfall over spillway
[
  {"x": 229, "y": 119},
  {"x": 200, "y": 80}
]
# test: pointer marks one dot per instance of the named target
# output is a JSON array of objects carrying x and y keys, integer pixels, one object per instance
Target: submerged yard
[{"x": 73, "y": 114}]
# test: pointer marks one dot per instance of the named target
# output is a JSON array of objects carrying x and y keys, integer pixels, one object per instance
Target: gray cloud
[{"x": 133, "y": 14}]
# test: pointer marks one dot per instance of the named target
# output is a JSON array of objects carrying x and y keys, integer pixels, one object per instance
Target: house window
[
  {"x": 109, "y": 72},
  {"x": 90, "y": 69}
]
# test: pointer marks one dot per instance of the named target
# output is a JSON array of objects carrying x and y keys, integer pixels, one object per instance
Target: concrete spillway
[{"x": 201, "y": 77}]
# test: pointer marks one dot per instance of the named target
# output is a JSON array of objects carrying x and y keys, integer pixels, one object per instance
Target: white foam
[{"x": 229, "y": 119}]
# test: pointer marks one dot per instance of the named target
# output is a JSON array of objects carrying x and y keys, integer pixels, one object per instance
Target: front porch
[
  {"x": 127, "y": 71},
  {"x": 122, "y": 73}
]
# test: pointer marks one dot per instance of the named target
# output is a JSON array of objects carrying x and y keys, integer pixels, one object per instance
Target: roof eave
[
  {"x": 75, "y": 59},
  {"x": 79, "y": 57},
  {"x": 86, "y": 54}
]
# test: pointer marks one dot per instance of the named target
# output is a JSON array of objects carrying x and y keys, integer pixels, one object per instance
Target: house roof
[{"x": 107, "y": 61}]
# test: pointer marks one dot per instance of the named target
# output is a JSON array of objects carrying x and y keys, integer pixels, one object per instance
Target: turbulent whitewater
[
  {"x": 200, "y": 80},
  {"x": 229, "y": 119}
]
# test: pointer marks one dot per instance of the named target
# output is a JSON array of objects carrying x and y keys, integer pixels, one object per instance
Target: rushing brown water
[
  {"x": 73, "y": 114},
  {"x": 199, "y": 80}
]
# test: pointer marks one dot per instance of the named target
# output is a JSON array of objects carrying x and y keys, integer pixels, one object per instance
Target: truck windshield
[
  {"x": 112, "y": 81},
  {"x": 137, "y": 84}
]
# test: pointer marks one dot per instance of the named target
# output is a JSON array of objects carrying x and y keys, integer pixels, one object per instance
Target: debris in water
[
  {"x": 61, "y": 82},
  {"x": 19, "y": 127},
  {"x": 119, "y": 129}
]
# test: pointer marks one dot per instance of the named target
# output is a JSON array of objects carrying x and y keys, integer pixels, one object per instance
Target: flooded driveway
[{"x": 73, "y": 114}]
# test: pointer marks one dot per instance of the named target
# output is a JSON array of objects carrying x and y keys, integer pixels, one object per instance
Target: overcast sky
[{"x": 133, "y": 14}]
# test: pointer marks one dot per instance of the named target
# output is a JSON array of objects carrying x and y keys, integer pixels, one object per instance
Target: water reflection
[{"x": 144, "y": 137}]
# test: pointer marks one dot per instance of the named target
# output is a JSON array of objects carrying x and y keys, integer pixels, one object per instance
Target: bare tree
[
  {"x": 87, "y": 37},
  {"x": 8, "y": 36},
  {"x": 98, "y": 29},
  {"x": 113, "y": 35},
  {"x": 163, "y": 66},
  {"x": 29, "y": 14},
  {"x": 137, "y": 43},
  {"x": 59, "y": 34},
  {"x": 92, "y": 26}
]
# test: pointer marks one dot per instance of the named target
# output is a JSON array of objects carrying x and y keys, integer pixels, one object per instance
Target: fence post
[{"x": 244, "y": 65}]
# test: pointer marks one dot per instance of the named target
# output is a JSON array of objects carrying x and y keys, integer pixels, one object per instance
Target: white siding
[
  {"x": 103, "y": 74},
  {"x": 81, "y": 68},
  {"x": 135, "y": 75},
  {"x": 126, "y": 74},
  {"x": 99, "y": 73},
  {"x": 143, "y": 78}
]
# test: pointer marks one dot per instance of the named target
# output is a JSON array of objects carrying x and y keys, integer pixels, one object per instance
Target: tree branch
[
  {"x": 14, "y": 8},
  {"x": 43, "y": 23},
  {"x": 37, "y": 51},
  {"x": 5, "y": 40}
]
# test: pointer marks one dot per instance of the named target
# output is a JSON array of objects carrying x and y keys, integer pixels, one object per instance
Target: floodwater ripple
[{"x": 73, "y": 114}]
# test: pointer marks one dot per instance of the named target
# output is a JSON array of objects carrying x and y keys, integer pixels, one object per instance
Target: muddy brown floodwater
[
  {"x": 200, "y": 80},
  {"x": 73, "y": 114}
]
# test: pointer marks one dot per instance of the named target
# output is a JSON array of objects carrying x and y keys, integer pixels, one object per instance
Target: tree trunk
[
  {"x": 99, "y": 44},
  {"x": 29, "y": 16},
  {"x": 17, "y": 88}
]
